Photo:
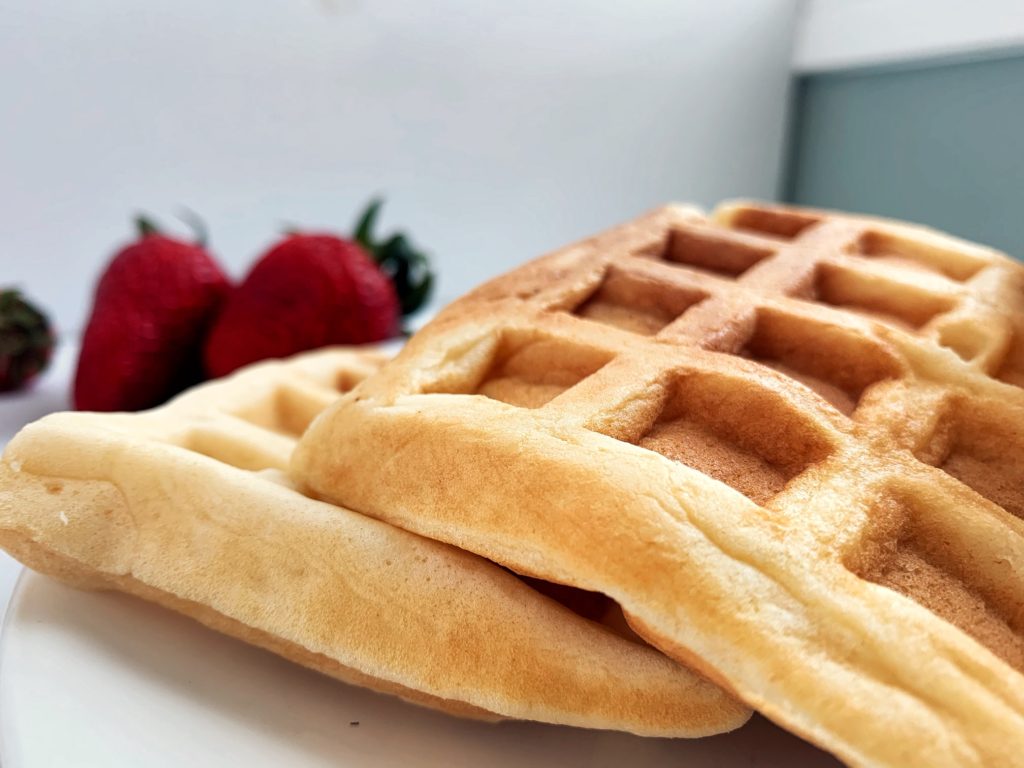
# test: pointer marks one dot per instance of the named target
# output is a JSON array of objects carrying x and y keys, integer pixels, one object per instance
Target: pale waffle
[
  {"x": 187, "y": 506},
  {"x": 789, "y": 443}
]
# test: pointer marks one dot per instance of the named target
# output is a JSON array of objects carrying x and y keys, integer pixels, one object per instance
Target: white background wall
[{"x": 496, "y": 130}]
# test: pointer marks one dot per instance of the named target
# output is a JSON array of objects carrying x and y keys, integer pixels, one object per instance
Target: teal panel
[{"x": 941, "y": 145}]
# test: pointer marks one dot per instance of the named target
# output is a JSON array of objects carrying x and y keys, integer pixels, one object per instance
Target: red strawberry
[
  {"x": 312, "y": 290},
  {"x": 152, "y": 309},
  {"x": 307, "y": 291}
]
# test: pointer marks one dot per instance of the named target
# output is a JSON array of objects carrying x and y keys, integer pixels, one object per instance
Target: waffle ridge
[
  {"x": 189, "y": 506},
  {"x": 839, "y": 526}
]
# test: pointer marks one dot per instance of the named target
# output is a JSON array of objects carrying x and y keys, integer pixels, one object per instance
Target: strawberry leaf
[
  {"x": 145, "y": 226},
  {"x": 366, "y": 224},
  {"x": 406, "y": 266}
]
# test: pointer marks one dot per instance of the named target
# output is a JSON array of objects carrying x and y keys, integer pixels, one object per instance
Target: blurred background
[{"x": 496, "y": 131}]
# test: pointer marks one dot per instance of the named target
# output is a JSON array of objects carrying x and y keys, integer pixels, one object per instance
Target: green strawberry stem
[
  {"x": 408, "y": 267},
  {"x": 366, "y": 223},
  {"x": 195, "y": 222},
  {"x": 146, "y": 227}
]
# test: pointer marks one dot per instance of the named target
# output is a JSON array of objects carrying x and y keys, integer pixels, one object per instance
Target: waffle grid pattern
[
  {"x": 780, "y": 352},
  {"x": 776, "y": 287},
  {"x": 255, "y": 424},
  {"x": 189, "y": 506}
]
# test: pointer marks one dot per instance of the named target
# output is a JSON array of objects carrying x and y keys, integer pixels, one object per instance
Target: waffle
[
  {"x": 187, "y": 506},
  {"x": 789, "y": 443}
]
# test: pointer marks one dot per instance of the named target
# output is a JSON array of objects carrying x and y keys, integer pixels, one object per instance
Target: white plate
[{"x": 89, "y": 679}]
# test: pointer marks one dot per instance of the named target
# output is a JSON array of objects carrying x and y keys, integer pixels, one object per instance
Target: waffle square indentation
[
  {"x": 530, "y": 372},
  {"x": 836, "y": 362},
  {"x": 637, "y": 302},
  {"x": 877, "y": 297},
  {"x": 736, "y": 431},
  {"x": 906, "y": 251}
]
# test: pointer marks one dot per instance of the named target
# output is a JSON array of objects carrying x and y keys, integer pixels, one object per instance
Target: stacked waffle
[
  {"x": 790, "y": 444},
  {"x": 188, "y": 506},
  {"x": 783, "y": 447}
]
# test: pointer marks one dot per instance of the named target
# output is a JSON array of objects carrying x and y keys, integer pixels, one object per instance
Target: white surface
[
  {"x": 496, "y": 130},
  {"x": 105, "y": 681},
  {"x": 840, "y": 34}
]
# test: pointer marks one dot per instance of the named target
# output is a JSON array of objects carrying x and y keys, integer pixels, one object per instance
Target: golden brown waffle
[
  {"x": 790, "y": 444},
  {"x": 187, "y": 506}
]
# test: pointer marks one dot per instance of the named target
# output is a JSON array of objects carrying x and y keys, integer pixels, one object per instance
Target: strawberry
[
  {"x": 313, "y": 289},
  {"x": 26, "y": 341},
  {"x": 153, "y": 306}
]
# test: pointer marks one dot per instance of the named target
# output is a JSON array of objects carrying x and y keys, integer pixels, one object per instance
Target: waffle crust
[
  {"x": 788, "y": 442},
  {"x": 188, "y": 506}
]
